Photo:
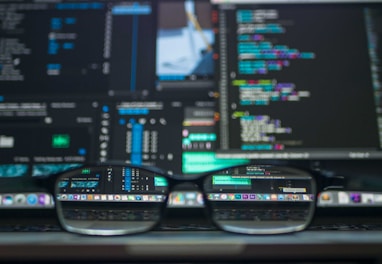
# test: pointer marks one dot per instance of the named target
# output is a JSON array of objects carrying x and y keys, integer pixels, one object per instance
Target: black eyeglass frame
[{"x": 319, "y": 182}]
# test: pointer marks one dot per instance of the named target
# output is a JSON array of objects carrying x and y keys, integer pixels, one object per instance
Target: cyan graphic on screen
[
  {"x": 84, "y": 184},
  {"x": 43, "y": 169},
  {"x": 13, "y": 170}
]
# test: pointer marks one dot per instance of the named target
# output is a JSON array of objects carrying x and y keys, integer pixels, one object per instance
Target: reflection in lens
[
  {"x": 110, "y": 200},
  {"x": 261, "y": 199}
]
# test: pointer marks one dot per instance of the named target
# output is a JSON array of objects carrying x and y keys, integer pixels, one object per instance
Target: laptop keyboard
[
  {"x": 346, "y": 227},
  {"x": 30, "y": 228},
  {"x": 195, "y": 227}
]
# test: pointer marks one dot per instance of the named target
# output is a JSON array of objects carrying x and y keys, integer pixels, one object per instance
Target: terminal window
[{"x": 296, "y": 81}]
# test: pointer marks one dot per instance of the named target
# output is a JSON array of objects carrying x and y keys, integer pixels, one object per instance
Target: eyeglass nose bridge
[{"x": 186, "y": 194}]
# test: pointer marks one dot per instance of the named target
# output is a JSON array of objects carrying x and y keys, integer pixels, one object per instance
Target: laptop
[{"x": 190, "y": 86}]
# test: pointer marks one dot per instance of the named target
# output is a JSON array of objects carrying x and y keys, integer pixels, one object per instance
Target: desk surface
[{"x": 194, "y": 246}]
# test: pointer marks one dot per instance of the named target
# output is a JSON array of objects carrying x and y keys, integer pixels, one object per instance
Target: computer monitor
[{"x": 186, "y": 85}]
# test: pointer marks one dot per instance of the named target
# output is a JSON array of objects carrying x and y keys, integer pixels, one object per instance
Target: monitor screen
[
  {"x": 185, "y": 85},
  {"x": 299, "y": 80}
]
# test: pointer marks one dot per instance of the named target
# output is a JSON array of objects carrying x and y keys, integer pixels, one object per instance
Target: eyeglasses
[{"x": 120, "y": 199}]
